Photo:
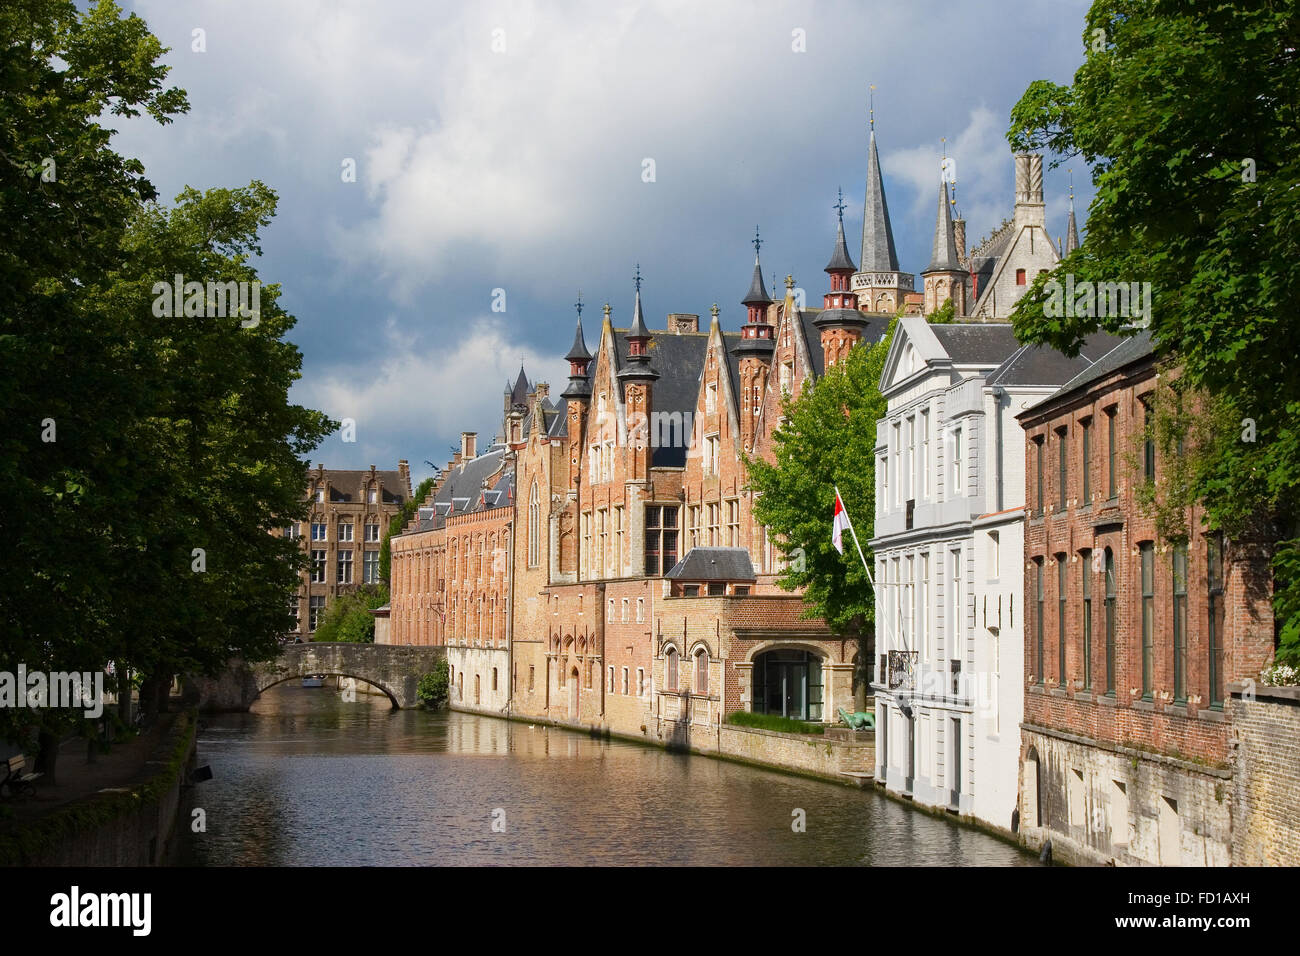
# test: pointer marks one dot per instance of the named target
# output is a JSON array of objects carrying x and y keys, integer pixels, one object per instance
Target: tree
[
  {"x": 1188, "y": 118},
  {"x": 827, "y": 440},
  {"x": 348, "y": 618}
]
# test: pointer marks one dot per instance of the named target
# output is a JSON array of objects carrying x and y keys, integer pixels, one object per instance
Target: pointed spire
[
  {"x": 757, "y": 294},
  {"x": 638, "y": 329},
  {"x": 579, "y": 360},
  {"x": 519, "y": 394},
  {"x": 1071, "y": 227},
  {"x": 878, "y": 253},
  {"x": 841, "y": 261},
  {"x": 578, "y": 351},
  {"x": 944, "y": 257}
]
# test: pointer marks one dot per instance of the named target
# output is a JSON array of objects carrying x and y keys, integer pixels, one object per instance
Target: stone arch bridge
[{"x": 394, "y": 669}]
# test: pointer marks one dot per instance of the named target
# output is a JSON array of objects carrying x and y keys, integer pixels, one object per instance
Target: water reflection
[{"x": 307, "y": 778}]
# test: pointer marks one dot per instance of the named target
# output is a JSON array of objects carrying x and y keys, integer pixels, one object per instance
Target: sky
[{"x": 504, "y": 146}]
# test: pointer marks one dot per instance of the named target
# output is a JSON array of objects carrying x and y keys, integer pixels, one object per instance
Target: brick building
[
  {"x": 1131, "y": 640},
  {"x": 350, "y": 512}
]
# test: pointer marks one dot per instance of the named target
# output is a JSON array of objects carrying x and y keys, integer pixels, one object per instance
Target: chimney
[
  {"x": 468, "y": 443},
  {"x": 679, "y": 322},
  {"x": 541, "y": 390}
]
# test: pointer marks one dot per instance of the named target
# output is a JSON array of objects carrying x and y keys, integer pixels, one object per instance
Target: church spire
[
  {"x": 841, "y": 261},
  {"x": 944, "y": 257},
  {"x": 878, "y": 253},
  {"x": 757, "y": 296},
  {"x": 1071, "y": 228}
]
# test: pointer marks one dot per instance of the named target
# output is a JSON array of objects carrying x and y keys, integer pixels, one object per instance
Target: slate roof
[
  {"x": 394, "y": 489},
  {"x": 757, "y": 294},
  {"x": 1129, "y": 350},
  {"x": 943, "y": 257},
  {"x": 519, "y": 393},
  {"x": 840, "y": 258},
  {"x": 714, "y": 564},
  {"x": 463, "y": 486},
  {"x": 578, "y": 351},
  {"x": 971, "y": 343},
  {"x": 679, "y": 360},
  {"x": 1041, "y": 365}
]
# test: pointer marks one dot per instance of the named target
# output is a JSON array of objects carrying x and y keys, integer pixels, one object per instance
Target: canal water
[{"x": 308, "y": 779}]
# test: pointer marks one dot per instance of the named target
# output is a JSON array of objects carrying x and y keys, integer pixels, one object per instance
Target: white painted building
[{"x": 950, "y": 459}]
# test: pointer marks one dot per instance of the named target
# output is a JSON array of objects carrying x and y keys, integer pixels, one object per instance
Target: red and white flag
[{"x": 841, "y": 523}]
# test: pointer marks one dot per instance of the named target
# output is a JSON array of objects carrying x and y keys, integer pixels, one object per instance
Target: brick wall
[{"x": 1265, "y": 825}]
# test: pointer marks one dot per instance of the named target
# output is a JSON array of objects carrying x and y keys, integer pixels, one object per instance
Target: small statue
[{"x": 862, "y": 720}]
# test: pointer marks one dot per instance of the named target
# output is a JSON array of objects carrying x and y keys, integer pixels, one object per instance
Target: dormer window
[
  {"x": 373, "y": 495},
  {"x": 320, "y": 493}
]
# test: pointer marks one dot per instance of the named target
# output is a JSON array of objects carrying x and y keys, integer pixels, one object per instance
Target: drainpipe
[
  {"x": 604, "y": 662},
  {"x": 998, "y": 394},
  {"x": 510, "y": 615}
]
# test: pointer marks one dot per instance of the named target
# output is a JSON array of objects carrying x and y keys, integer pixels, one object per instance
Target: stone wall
[
  {"x": 1265, "y": 825},
  {"x": 819, "y": 755},
  {"x": 480, "y": 681}
]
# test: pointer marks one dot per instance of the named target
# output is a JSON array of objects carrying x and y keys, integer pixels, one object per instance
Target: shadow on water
[{"x": 308, "y": 778}]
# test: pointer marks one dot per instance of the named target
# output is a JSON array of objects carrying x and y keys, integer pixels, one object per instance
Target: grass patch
[{"x": 785, "y": 725}]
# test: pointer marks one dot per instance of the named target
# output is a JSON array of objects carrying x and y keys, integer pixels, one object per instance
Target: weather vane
[
  {"x": 638, "y": 277},
  {"x": 871, "y": 104},
  {"x": 757, "y": 242},
  {"x": 839, "y": 205},
  {"x": 578, "y": 305}
]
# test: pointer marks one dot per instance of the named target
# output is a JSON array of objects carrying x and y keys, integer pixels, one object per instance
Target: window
[
  {"x": 1111, "y": 621},
  {"x": 1061, "y": 563},
  {"x": 318, "y": 567},
  {"x": 611, "y": 678},
  {"x": 320, "y": 493},
  {"x": 1038, "y": 475},
  {"x": 1061, "y": 476},
  {"x": 374, "y": 496},
  {"x": 640, "y": 610},
  {"x": 1085, "y": 560},
  {"x": 370, "y": 568},
  {"x": 923, "y": 600},
  {"x": 494, "y": 678},
  {"x": 955, "y": 669},
  {"x": 1020, "y": 277},
  {"x": 1148, "y": 441},
  {"x": 670, "y": 669},
  {"x": 345, "y": 530},
  {"x": 624, "y": 681},
  {"x": 955, "y": 627},
  {"x": 957, "y": 473},
  {"x": 882, "y": 479},
  {"x": 586, "y": 540},
  {"x": 617, "y": 567},
  {"x": 701, "y": 671},
  {"x": 896, "y": 447},
  {"x": 995, "y": 555},
  {"x": 607, "y": 461},
  {"x": 733, "y": 523},
  {"x": 1214, "y": 610},
  {"x": 1180, "y": 623},
  {"x": 923, "y": 465},
  {"x": 787, "y": 376},
  {"x": 593, "y": 464},
  {"x": 660, "y": 539},
  {"x": 640, "y": 681},
  {"x": 1111, "y": 488},
  {"x": 318, "y": 531},
  {"x": 532, "y": 677},
  {"x": 294, "y": 612},
  {"x": 611, "y": 615},
  {"x": 1085, "y": 427},
  {"x": 690, "y": 590},
  {"x": 695, "y": 526},
  {"x": 711, "y": 455},
  {"x": 602, "y": 540},
  {"x": 345, "y": 567},
  {"x": 624, "y": 610},
  {"x": 711, "y": 398},
  {"x": 292, "y": 532},
  {"x": 315, "y": 608},
  {"x": 713, "y": 525},
  {"x": 534, "y": 527},
  {"x": 1148, "y": 556},
  {"x": 909, "y": 459},
  {"x": 1038, "y": 618},
  {"x": 372, "y": 533}
]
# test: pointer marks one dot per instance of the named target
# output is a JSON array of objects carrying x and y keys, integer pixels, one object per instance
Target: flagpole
[{"x": 855, "y": 539}]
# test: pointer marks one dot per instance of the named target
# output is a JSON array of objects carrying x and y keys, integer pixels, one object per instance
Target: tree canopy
[{"x": 1186, "y": 115}]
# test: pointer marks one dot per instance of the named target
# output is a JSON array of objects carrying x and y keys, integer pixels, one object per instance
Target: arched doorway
[
  {"x": 478, "y": 691},
  {"x": 788, "y": 682},
  {"x": 573, "y": 694},
  {"x": 1032, "y": 813}
]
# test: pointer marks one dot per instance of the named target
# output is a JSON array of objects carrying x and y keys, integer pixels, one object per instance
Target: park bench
[{"x": 15, "y": 780}]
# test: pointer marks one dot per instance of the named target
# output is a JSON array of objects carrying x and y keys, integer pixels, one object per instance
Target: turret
[
  {"x": 944, "y": 277},
  {"x": 839, "y": 322}
]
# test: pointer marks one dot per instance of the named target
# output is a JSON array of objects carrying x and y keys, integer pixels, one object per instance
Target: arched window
[
  {"x": 534, "y": 523},
  {"x": 670, "y": 668},
  {"x": 702, "y": 671}
]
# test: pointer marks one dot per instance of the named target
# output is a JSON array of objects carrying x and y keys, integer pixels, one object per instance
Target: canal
[{"x": 308, "y": 779}]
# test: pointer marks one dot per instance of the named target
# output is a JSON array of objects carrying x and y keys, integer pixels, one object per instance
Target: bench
[{"x": 15, "y": 780}]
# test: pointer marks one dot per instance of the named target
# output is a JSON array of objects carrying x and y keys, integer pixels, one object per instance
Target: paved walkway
[{"x": 122, "y": 767}]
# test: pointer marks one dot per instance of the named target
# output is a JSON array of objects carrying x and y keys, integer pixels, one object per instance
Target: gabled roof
[
  {"x": 463, "y": 487},
  {"x": 1129, "y": 350},
  {"x": 347, "y": 485},
  {"x": 1041, "y": 365},
  {"x": 714, "y": 564},
  {"x": 976, "y": 343},
  {"x": 679, "y": 360}
]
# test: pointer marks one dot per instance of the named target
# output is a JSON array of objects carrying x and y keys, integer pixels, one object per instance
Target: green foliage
[
  {"x": 171, "y": 434},
  {"x": 435, "y": 687},
  {"x": 397, "y": 523},
  {"x": 1188, "y": 119},
  {"x": 828, "y": 439},
  {"x": 348, "y": 618},
  {"x": 944, "y": 315},
  {"x": 785, "y": 725}
]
